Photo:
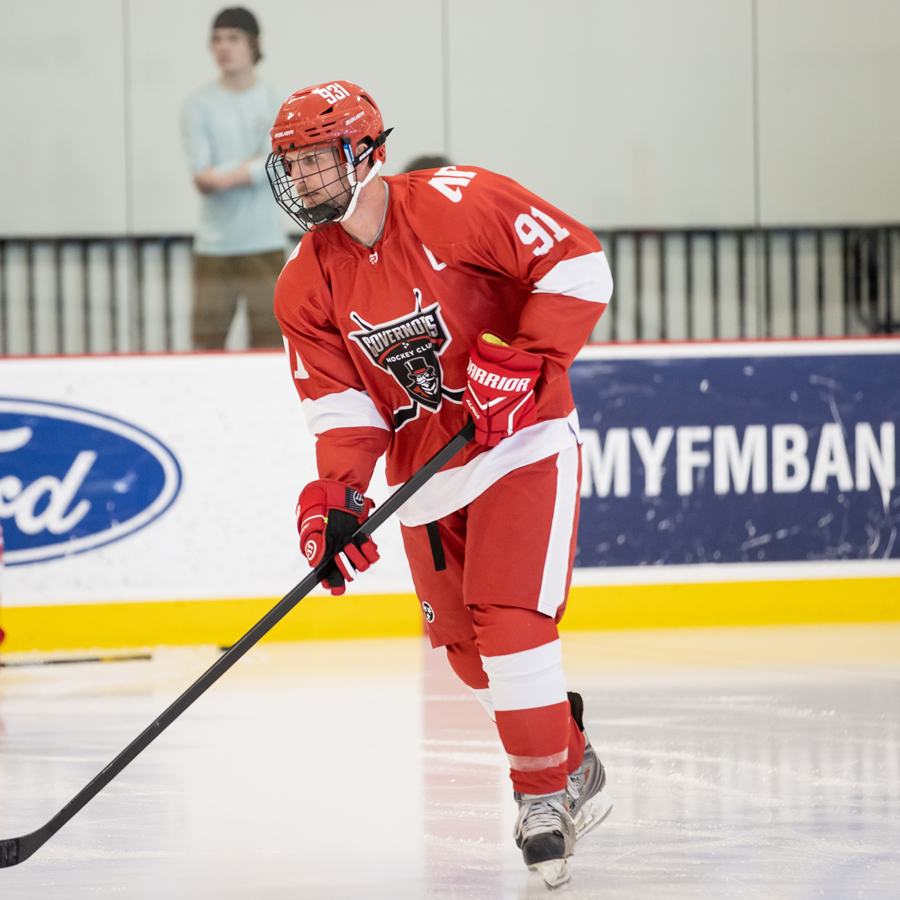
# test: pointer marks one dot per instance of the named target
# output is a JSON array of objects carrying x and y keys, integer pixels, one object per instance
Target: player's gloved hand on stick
[
  {"x": 500, "y": 389},
  {"x": 328, "y": 512}
]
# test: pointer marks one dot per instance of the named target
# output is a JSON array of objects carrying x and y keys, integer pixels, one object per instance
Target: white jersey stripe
[
  {"x": 453, "y": 489},
  {"x": 556, "y": 563},
  {"x": 527, "y": 680},
  {"x": 586, "y": 277},
  {"x": 347, "y": 409}
]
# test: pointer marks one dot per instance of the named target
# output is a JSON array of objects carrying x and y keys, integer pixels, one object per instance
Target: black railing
[
  {"x": 114, "y": 294},
  {"x": 739, "y": 283},
  {"x": 95, "y": 294}
]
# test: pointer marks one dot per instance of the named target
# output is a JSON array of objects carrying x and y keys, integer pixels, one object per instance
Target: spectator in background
[
  {"x": 421, "y": 163},
  {"x": 239, "y": 245}
]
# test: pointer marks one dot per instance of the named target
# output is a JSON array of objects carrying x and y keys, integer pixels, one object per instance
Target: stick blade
[{"x": 9, "y": 853}]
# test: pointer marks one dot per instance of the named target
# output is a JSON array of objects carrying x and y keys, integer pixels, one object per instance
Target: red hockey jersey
[{"x": 379, "y": 337}]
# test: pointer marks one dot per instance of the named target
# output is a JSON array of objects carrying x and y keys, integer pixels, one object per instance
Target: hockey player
[{"x": 412, "y": 303}]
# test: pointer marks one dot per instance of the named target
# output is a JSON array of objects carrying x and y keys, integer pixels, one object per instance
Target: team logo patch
[
  {"x": 429, "y": 612},
  {"x": 409, "y": 349}
]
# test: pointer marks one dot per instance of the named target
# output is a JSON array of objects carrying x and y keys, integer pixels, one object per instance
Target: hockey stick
[
  {"x": 16, "y": 850},
  {"x": 79, "y": 659}
]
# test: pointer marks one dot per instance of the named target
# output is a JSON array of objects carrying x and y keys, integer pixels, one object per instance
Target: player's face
[
  {"x": 232, "y": 50},
  {"x": 318, "y": 174}
]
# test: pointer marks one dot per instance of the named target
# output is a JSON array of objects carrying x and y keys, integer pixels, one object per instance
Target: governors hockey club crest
[{"x": 408, "y": 348}]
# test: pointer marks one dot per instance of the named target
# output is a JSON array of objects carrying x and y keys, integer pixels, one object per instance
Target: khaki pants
[{"x": 219, "y": 281}]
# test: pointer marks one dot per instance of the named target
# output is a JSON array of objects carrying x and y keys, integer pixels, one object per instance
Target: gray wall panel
[
  {"x": 623, "y": 114},
  {"x": 62, "y": 123},
  {"x": 829, "y": 132}
]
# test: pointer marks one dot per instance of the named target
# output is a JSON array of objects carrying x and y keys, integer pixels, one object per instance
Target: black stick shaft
[
  {"x": 16, "y": 850},
  {"x": 75, "y": 660}
]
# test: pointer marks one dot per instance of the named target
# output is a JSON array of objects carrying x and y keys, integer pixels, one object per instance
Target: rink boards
[{"x": 149, "y": 499}]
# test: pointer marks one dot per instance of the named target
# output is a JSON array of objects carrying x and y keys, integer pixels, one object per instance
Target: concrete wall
[{"x": 624, "y": 112}]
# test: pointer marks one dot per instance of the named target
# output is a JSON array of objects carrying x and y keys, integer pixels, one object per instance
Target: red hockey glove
[
  {"x": 500, "y": 389},
  {"x": 328, "y": 512}
]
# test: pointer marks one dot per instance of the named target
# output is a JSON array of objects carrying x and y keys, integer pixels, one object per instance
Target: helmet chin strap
[{"x": 356, "y": 188}]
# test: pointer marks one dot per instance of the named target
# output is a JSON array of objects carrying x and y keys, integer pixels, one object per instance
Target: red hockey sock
[
  {"x": 521, "y": 654},
  {"x": 532, "y": 739},
  {"x": 466, "y": 662},
  {"x": 544, "y": 744}
]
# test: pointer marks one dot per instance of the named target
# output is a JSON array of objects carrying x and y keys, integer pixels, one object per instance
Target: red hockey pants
[{"x": 492, "y": 579}]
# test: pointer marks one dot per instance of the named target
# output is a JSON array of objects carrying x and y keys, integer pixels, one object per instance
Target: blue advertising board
[
  {"x": 700, "y": 455},
  {"x": 73, "y": 479}
]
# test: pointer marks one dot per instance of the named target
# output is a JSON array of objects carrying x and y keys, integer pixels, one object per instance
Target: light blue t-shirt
[{"x": 222, "y": 128}]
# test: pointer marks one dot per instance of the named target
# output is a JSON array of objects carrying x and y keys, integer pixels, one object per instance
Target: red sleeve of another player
[
  {"x": 350, "y": 433},
  {"x": 557, "y": 258}
]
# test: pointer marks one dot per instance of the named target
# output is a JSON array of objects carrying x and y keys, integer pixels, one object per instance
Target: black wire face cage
[
  {"x": 325, "y": 174},
  {"x": 331, "y": 177}
]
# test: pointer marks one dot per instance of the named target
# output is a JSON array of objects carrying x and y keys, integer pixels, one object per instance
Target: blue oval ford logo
[{"x": 72, "y": 480}]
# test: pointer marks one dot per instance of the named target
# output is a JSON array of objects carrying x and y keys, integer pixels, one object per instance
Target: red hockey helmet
[{"x": 341, "y": 119}]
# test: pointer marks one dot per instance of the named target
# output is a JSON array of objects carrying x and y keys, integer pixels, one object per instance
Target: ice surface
[{"x": 755, "y": 763}]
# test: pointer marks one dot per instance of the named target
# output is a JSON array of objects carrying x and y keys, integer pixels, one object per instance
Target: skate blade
[
  {"x": 555, "y": 872},
  {"x": 592, "y": 813}
]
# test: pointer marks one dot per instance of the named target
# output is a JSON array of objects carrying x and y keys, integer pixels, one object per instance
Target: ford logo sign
[{"x": 73, "y": 480}]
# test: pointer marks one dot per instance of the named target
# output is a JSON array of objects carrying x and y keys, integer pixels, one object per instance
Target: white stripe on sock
[
  {"x": 536, "y": 763},
  {"x": 527, "y": 680},
  {"x": 484, "y": 697}
]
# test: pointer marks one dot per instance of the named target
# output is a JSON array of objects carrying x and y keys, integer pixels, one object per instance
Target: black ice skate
[
  {"x": 545, "y": 832},
  {"x": 587, "y": 801}
]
